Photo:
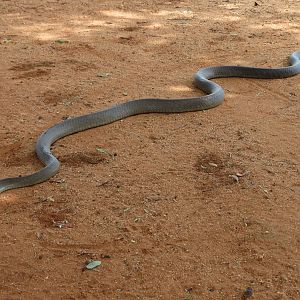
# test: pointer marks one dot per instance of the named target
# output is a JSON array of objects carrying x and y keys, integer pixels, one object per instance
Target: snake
[{"x": 214, "y": 96}]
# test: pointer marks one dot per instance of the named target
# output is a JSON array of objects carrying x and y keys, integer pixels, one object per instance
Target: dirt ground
[{"x": 154, "y": 197}]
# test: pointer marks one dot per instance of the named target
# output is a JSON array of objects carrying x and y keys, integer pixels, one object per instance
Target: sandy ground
[{"x": 153, "y": 197}]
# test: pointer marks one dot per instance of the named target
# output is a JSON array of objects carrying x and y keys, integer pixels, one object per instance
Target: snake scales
[{"x": 214, "y": 97}]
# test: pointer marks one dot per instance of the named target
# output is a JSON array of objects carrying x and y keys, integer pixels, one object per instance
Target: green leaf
[
  {"x": 7, "y": 40},
  {"x": 103, "y": 75},
  {"x": 93, "y": 264},
  {"x": 102, "y": 150},
  {"x": 61, "y": 41}
]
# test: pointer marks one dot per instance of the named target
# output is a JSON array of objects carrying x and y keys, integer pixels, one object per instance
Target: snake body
[{"x": 214, "y": 97}]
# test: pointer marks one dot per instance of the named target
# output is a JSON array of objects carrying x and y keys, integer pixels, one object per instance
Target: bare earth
[{"x": 154, "y": 197}]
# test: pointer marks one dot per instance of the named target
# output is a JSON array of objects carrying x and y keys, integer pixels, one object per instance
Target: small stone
[{"x": 248, "y": 292}]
